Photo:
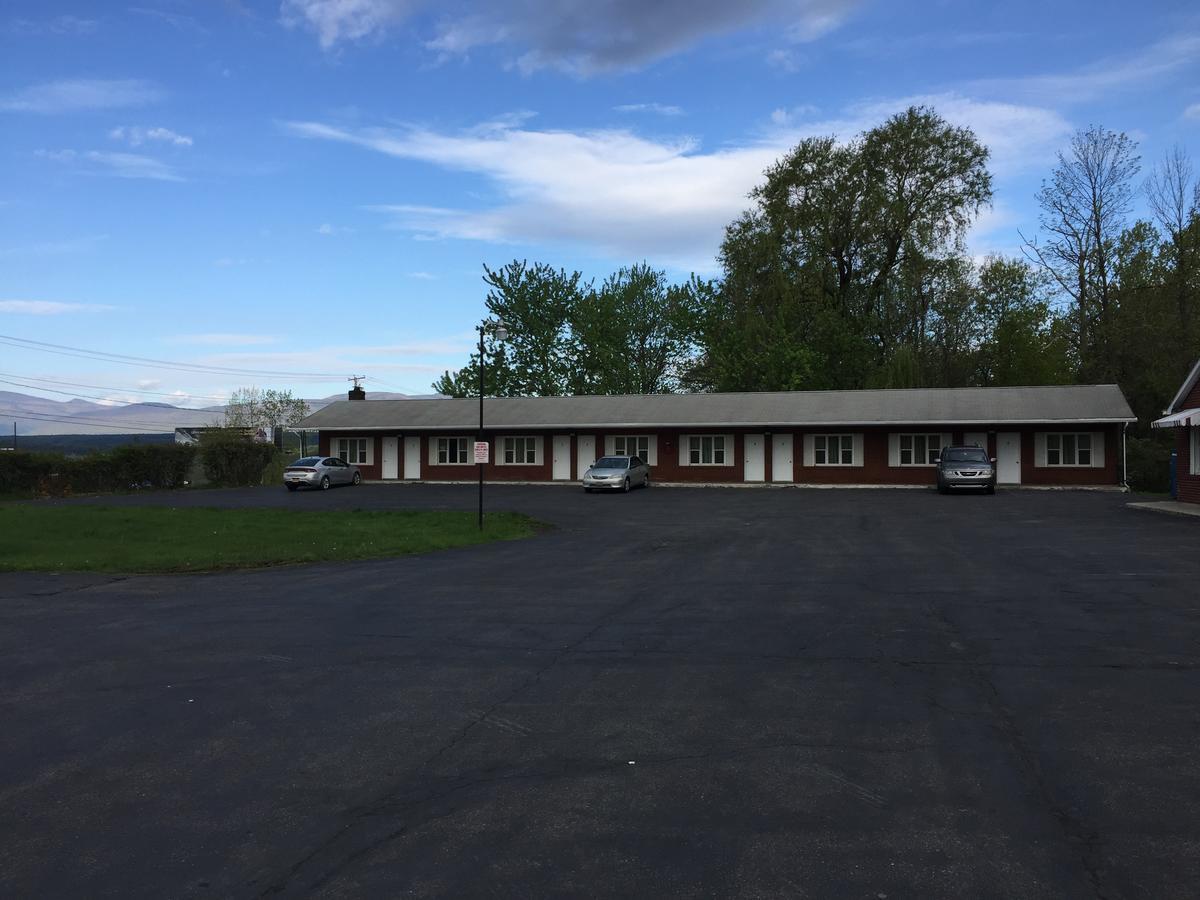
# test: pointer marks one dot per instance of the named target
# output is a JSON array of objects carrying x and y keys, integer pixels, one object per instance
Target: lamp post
[{"x": 500, "y": 330}]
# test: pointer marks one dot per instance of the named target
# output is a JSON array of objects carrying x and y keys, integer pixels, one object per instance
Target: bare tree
[
  {"x": 1173, "y": 194},
  {"x": 1084, "y": 208}
]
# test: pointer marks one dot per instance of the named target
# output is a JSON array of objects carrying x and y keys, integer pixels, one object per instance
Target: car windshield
[
  {"x": 967, "y": 455},
  {"x": 611, "y": 462},
  {"x": 307, "y": 461}
]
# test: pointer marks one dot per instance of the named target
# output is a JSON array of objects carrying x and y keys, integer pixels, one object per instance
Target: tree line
[{"x": 850, "y": 270}]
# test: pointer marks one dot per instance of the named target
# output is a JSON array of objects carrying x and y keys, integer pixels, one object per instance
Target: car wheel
[
  {"x": 325, "y": 483},
  {"x": 625, "y": 488},
  {"x": 646, "y": 481},
  {"x": 291, "y": 487},
  {"x": 357, "y": 478},
  {"x": 942, "y": 489},
  {"x": 991, "y": 489}
]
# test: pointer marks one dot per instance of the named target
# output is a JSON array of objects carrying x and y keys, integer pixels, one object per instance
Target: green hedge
[
  {"x": 125, "y": 468},
  {"x": 230, "y": 459},
  {"x": 1148, "y": 462}
]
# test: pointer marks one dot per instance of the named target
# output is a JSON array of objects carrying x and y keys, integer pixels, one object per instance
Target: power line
[
  {"x": 102, "y": 387},
  {"x": 157, "y": 427},
  {"x": 38, "y": 387},
  {"x": 147, "y": 362}
]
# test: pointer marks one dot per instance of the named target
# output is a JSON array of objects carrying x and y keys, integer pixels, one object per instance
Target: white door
[
  {"x": 412, "y": 457},
  {"x": 562, "y": 457},
  {"x": 391, "y": 457},
  {"x": 976, "y": 439},
  {"x": 1008, "y": 457},
  {"x": 755, "y": 458},
  {"x": 585, "y": 452},
  {"x": 781, "y": 457}
]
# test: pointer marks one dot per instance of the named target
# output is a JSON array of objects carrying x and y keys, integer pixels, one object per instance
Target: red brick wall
[{"x": 875, "y": 469}]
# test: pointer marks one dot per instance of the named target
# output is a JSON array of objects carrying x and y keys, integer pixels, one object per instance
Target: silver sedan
[
  {"x": 616, "y": 473},
  {"x": 320, "y": 472}
]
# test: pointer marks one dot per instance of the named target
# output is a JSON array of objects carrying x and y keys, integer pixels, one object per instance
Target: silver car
[
  {"x": 320, "y": 472},
  {"x": 965, "y": 467},
  {"x": 616, "y": 473}
]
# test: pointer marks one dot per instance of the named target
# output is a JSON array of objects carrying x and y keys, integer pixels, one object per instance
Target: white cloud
[
  {"x": 1108, "y": 76},
  {"x": 629, "y": 197},
  {"x": 327, "y": 229},
  {"x": 136, "y": 135},
  {"x": 782, "y": 117},
  {"x": 578, "y": 36},
  {"x": 226, "y": 262},
  {"x": 79, "y": 95},
  {"x": 1192, "y": 112},
  {"x": 117, "y": 165},
  {"x": 58, "y": 25},
  {"x": 50, "y": 307},
  {"x": 54, "y": 248},
  {"x": 224, "y": 339},
  {"x": 423, "y": 276},
  {"x": 657, "y": 108}
]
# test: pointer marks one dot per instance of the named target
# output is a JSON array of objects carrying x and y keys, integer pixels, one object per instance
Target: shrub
[
  {"x": 153, "y": 465},
  {"x": 231, "y": 459},
  {"x": 1148, "y": 462}
]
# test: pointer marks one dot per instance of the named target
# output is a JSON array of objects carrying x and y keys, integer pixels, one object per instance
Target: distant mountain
[{"x": 38, "y": 415}]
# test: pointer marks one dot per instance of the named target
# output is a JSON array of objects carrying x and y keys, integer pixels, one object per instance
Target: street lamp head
[{"x": 501, "y": 331}]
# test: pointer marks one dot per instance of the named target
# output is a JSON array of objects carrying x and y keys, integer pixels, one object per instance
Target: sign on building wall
[{"x": 481, "y": 452}]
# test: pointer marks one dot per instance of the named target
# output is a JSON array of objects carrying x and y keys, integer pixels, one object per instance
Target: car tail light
[{"x": 299, "y": 469}]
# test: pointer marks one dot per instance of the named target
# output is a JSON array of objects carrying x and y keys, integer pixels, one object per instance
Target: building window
[
  {"x": 452, "y": 451},
  {"x": 520, "y": 451},
  {"x": 706, "y": 450},
  {"x": 920, "y": 449},
  {"x": 351, "y": 450},
  {"x": 1195, "y": 454},
  {"x": 833, "y": 449},
  {"x": 1069, "y": 449},
  {"x": 632, "y": 445}
]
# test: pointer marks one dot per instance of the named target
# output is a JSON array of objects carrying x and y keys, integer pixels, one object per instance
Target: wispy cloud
[
  {"x": 224, "y": 339},
  {"x": 786, "y": 116},
  {"x": 1121, "y": 74},
  {"x": 626, "y": 196},
  {"x": 656, "y": 108},
  {"x": 54, "y": 248},
  {"x": 136, "y": 135},
  {"x": 225, "y": 262},
  {"x": 117, "y": 165},
  {"x": 50, "y": 307},
  {"x": 79, "y": 95},
  {"x": 576, "y": 37},
  {"x": 423, "y": 276},
  {"x": 58, "y": 25},
  {"x": 178, "y": 21},
  {"x": 1192, "y": 112},
  {"x": 328, "y": 229}
]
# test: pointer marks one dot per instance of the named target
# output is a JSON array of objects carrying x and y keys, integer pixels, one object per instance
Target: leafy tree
[
  {"x": 1084, "y": 207},
  {"x": 254, "y": 408}
]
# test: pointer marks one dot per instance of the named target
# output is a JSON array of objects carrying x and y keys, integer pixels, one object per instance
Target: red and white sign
[{"x": 481, "y": 451}]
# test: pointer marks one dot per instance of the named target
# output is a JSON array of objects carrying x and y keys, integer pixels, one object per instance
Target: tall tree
[
  {"x": 1173, "y": 193},
  {"x": 833, "y": 269},
  {"x": 1084, "y": 208}
]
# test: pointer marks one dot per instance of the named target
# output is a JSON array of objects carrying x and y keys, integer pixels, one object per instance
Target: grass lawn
[{"x": 161, "y": 539}]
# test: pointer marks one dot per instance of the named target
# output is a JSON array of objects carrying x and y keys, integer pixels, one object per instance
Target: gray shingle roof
[{"x": 925, "y": 406}]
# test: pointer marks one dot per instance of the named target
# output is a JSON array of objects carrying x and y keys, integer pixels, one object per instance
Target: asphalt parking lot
[{"x": 676, "y": 692}]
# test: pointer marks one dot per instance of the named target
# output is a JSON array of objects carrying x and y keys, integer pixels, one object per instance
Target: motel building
[
  {"x": 1183, "y": 415},
  {"x": 1043, "y": 436}
]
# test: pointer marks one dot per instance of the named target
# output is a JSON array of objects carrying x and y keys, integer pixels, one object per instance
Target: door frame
[
  {"x": 762, "y": 458},
  {"x": 384, "y": 471},
  {"x": 783, "y": 470},
  {"x": 412, "y": 451},
  {"x": 555, "y": 440},
  {"x": 581, "y": 441},
  {"x": 1001, "y": 462}
]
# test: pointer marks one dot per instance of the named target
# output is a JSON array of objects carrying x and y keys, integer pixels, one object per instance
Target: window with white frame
[
  {"x": 520, "y": 451},
  {"x": 452, "y": 451},
  {"x": 833, "y": 449},
  {"x": 351, "y": 450},
  {"x": 1069, "y": 449},
  {"x": 1195, "y": 454},
  {"x": 706, "y": 450},
  {"x": 632, "y": 445},
  {"x": 920, "y": 449}
]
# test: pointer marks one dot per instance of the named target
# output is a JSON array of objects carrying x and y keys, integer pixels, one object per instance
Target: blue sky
[{"x": 312, "y": 186}]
